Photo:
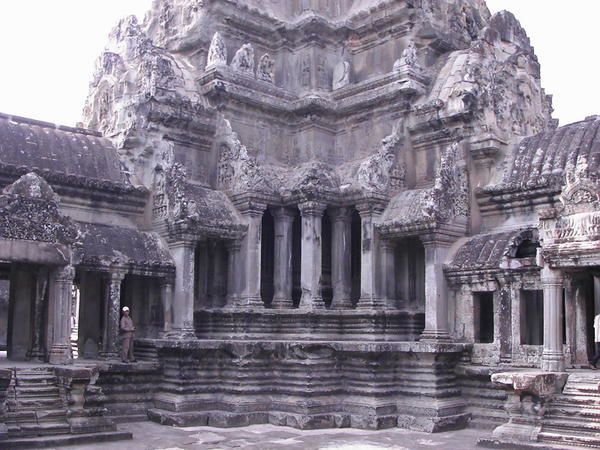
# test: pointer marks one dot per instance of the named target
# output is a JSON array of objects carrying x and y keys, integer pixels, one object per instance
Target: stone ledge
[
  {"x": 271, "y": 344},
  {"x": 72, "y": 439},
  {"x": 538, "y": 383}
]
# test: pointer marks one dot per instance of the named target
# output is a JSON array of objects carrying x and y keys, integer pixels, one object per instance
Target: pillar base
[
  {"x": 311, "y": 303},
  {"x": 180, "y": 334},
  {"x": 249, "y": 302},
  {"x": 282, "y": 303},
  {"x": 553, "y": 361},
  {"x": 108, "y": 355},
  {"x": 60, "y": 354},
  {"x": 343, "y": 304},
  {"x": 371, "y": 303},
  {"x": 435, "y": 336},
  {"x": 36, "y": 355}
]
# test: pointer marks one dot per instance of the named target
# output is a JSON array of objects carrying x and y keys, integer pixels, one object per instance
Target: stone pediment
[
  {"x": 580, "y": 197},
  {"x": 572, "y": 229},
  {"x": 29, "y": 210},
  {"x": 446, "y": 204}
]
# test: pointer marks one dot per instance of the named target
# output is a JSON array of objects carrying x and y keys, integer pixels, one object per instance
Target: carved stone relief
[{"x": 243, "y": 60}]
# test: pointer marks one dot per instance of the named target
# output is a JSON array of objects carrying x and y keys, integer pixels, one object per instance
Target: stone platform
[
  {"x": 321, "y": 325},
  {"x": 309, "y": 384}
]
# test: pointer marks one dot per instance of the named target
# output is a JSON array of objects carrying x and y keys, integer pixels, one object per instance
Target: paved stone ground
[{"x": 150, "y": 436}]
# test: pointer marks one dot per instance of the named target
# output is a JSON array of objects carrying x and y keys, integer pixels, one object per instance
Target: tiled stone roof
[
  {"x": 48, "y": 147},
  {"x": 105, "y": 245},
  {"x": 541, "y": 160},
  {"x": 485, "y": 251}
]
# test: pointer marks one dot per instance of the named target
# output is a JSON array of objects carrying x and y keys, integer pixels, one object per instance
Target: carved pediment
[
  {"x": 29, "y": 210},
  {"x": 580, "y": 196}
]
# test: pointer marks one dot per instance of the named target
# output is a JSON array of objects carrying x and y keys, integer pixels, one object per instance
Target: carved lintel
[{"x": 312, "y": 208}]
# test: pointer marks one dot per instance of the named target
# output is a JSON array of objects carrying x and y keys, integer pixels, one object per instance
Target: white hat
[{"x": 125, "y": 308}]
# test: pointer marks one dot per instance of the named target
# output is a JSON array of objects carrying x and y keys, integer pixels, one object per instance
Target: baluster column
[
  {"x": 284, "y": 219},
  {"x": 311, "y": 263}
]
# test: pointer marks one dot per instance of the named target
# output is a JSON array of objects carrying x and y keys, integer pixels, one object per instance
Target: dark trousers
[
  {"x": 597, "y": 354},
  {"x": 127, "y": 346}
]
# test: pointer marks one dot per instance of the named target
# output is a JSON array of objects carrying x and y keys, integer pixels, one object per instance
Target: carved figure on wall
[
  {"x": 265, "y": 68},
  {"x": 225, "y": 169},
  {"x": 217, "y": 52},
  {"x": 341, "y": 75},
  {"x": 322, "y": 73},
  {"x": 243, "y": 61},
  {"x": 160, "y": 200},
  {"x": 305, "y": 74},
  {"x": 374, "y": 174},
  {"x": 408, "y": 59}
]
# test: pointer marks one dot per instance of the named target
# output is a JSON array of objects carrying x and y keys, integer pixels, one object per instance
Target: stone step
[
  {"x": 571, "y": 423},
  {"x": 35, "y": 390},
  {"x": 128, "y": 418},
  {"x": 40, "y": 415},
  {"x": 63, "y": 440},
  {"x": 590, "y": 440},
  {"x": 568, "y": 410},
  {"x": 35, "y": 380},
  {"x": 41, "y": 429},
  {"x": 38, "y": 402}
]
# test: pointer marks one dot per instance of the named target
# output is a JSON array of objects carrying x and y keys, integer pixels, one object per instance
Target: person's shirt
[
  {"x": 127, "y": 324},
  {"x": 597, "y": 328}
]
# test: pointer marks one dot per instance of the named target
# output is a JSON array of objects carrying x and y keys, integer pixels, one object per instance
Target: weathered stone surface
[{"x": 288, "y": 196}]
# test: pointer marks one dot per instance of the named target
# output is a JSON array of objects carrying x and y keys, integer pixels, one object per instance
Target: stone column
[
  {"x": 61, "y": 293},
  {"x": 166, "y": 296},
  {"x": 596, "y": 295},
  {"x": 40, "y": 289},
  {"x": 581, "y": 325},
  {"x": 341, "y": 257},
  {"x": 233, "y": 272},
  {"x": 570, "y": 318},
  {"x": 370, "y": 290},
  {"x": 112, "y": 305},
  {"x": 553, "y": 358},
  {"x": 503, "y": 323},
  {"x": 201, "y": 299},
  {"x": 250, "y": 256},
  {"x": 183, "y": 253},
  {"x": 282, "y": 282},
  {"x": 436, "y": 290},
  {"x": 388, "y": 270},
  {"x": 311, "y": 262}
]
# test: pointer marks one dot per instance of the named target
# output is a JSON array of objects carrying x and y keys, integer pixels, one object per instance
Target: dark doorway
[
  {"x": 326, "y": 285},
  {"x": 532, "y": 317},
  {"x": 4, "y": 297},
  {"x": 356, "y": 254},
  {"x": 410, "y": 274},
  {"x": 296, "y": 260},
  {"x": 483, "y": 314},
  {"x": 267, "y": 258}
]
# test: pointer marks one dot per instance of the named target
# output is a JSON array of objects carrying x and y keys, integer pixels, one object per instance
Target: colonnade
[{"x": 377, "y": 265}]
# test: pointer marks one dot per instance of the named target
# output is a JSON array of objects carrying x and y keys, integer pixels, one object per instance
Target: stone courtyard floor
[{"x": 150, "y": 436}]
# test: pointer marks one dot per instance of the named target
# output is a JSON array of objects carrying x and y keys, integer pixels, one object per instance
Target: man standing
[
  {"x": 596, "y": 340},
  {"x": 127, "y": 329}
]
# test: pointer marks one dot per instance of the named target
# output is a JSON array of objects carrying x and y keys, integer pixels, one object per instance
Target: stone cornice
[
  {"x": 312, "y": 27},
  {"x": 220, "y": 83}
]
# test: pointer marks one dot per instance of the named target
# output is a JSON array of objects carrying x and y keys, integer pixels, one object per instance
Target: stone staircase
[
  {"x": 38, "y": 415},
  {"x": 573, "y": 417},
  {"x": 34, "y": 406},
  {"x": 485, "y": 402}
]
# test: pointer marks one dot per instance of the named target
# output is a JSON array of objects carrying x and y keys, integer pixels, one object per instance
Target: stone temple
[{"x": 322, "y": 213}]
